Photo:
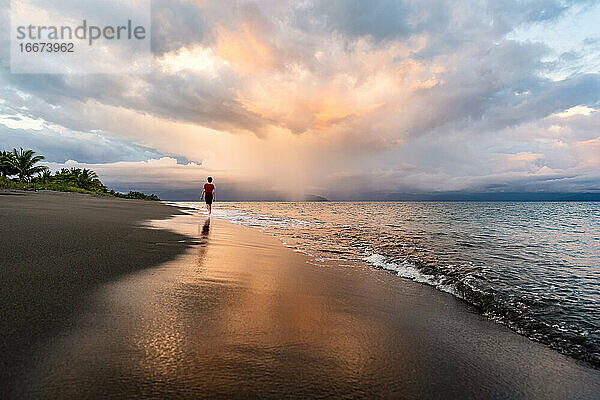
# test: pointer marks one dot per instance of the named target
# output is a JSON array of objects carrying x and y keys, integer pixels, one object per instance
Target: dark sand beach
[
  {"x": 56, "y": 249},
  {"x": 95, "y": 306}
]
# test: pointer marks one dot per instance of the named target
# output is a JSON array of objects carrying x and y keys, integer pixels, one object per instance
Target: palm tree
[
  {"x": 62, "y": 176},
  {"x": 24, "y": 163},
  {"x": 6, "y": 166},
  {"x": 86, "y": 178},
  {"x": 71, "y": 175},
  {"x": 44, "y": 176}
]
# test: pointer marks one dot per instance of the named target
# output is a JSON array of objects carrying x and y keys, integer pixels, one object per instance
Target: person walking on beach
[{"x": 209, "y": 191}]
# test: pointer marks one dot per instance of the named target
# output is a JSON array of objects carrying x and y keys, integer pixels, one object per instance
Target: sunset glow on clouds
[{"x": 337, "y": 98}]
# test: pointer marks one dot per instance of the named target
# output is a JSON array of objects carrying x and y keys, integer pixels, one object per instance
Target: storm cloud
[{"x": 337, "y": 98}]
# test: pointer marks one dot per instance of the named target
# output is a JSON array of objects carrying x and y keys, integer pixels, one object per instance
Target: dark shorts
[{"x": 208, "y": 198}]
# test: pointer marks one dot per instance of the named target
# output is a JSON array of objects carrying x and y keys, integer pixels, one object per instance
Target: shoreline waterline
[{"x": 534, "y": 267}]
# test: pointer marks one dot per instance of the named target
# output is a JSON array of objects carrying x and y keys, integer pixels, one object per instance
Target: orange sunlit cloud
[
  {"x": 325, "y": 97},
  {"x": 245, "y": 50}
]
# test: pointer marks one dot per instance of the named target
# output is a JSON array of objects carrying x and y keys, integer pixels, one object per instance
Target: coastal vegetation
[{"x": 20, "y": 169}]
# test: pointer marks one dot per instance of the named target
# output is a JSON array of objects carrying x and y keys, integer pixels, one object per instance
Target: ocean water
[{"x": 533, "y": 266}]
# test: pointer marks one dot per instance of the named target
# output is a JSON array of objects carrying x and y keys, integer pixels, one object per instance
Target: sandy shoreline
[
  {"x": 55, "y": 249},
  {"x": 211, "y": 309}
]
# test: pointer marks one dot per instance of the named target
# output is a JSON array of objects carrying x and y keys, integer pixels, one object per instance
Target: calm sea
[{"x": 534, "y": 266}]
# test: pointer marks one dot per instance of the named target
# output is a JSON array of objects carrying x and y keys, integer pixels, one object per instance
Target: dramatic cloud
[{"x": 339, "y": 98}]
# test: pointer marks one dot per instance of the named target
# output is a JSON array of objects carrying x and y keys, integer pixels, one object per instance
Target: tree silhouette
[
  {"x": 6, "y": 164},
  {"x": 24, "y": 163}
]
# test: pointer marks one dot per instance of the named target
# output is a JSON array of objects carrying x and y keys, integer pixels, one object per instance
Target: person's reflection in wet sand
[{"x": 206, "y": 228}]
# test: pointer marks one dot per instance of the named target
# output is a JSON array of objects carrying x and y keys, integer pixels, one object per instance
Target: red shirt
[{"x": 208, "y": 188}]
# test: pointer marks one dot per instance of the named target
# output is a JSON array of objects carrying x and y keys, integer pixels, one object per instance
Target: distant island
[
  {"x": 23, "y": 166},
  {"x": 314, "y": 197}
]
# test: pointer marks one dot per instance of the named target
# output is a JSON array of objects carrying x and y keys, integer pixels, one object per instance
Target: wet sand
[
  {"x": 237, "y": 315},
  {"x": 56, "y": 249}
]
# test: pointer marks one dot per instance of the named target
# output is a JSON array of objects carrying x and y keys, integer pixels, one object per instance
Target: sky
[{"x": 343, "y": 99}]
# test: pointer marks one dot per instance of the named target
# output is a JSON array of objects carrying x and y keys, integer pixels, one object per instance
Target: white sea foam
[
  {"x": 243, "y": 217},
  {"x": 404, "y": 269},
  {"x": 407, "y": 270}
]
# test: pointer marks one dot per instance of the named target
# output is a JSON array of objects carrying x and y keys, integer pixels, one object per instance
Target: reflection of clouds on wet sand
[
  {"x": 236, "y": 313},
  {"x": 241, "y": 316}
]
